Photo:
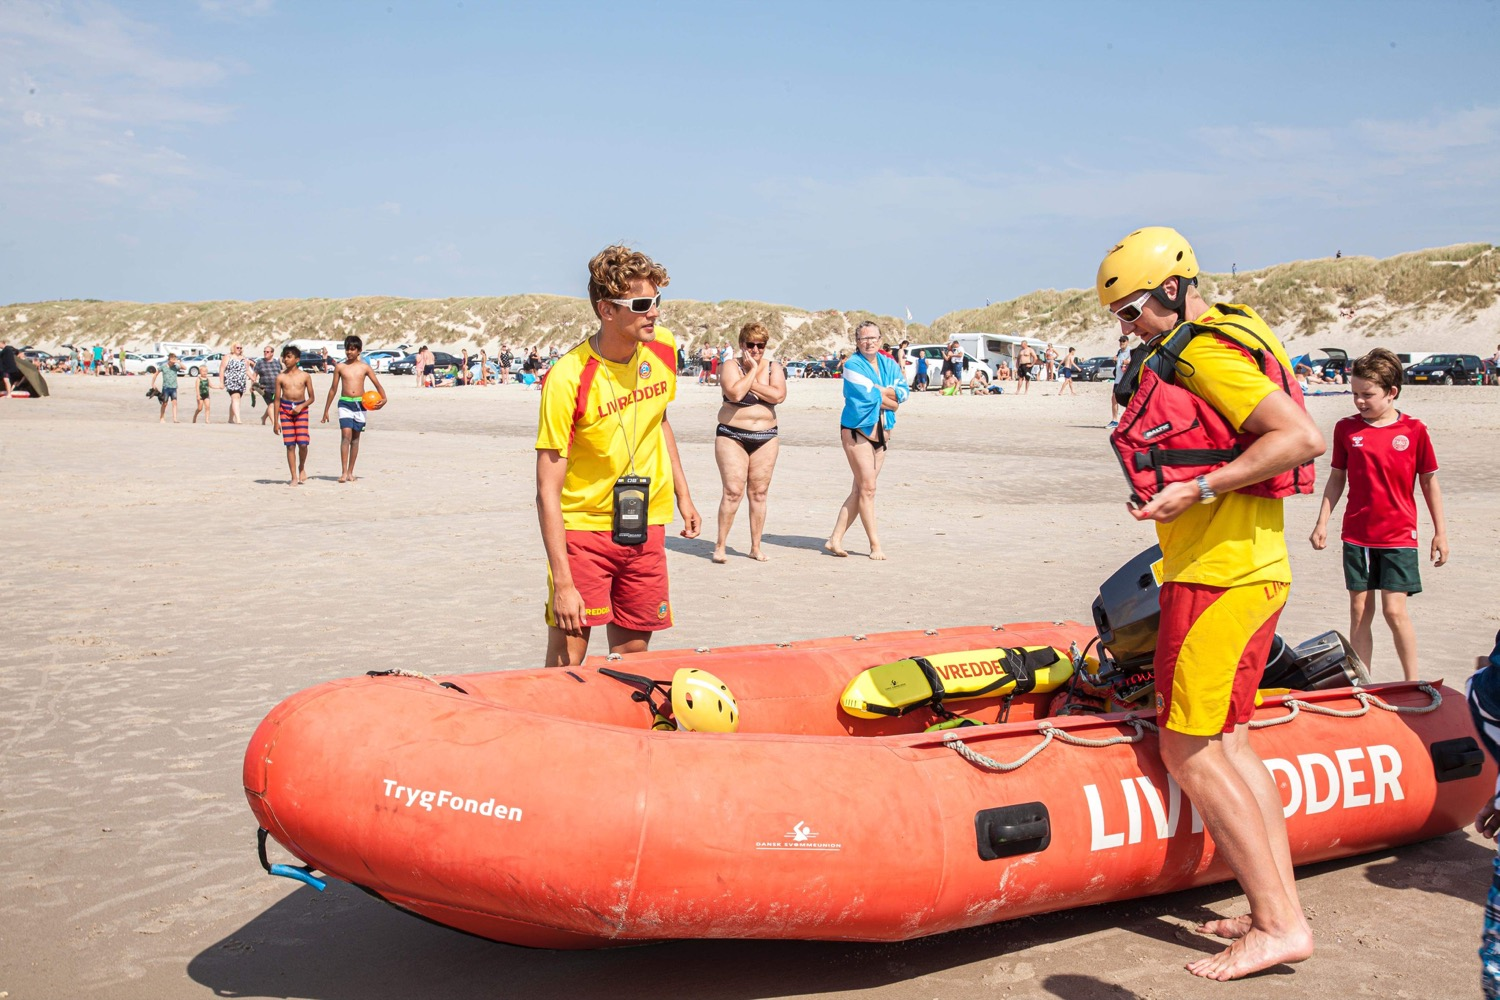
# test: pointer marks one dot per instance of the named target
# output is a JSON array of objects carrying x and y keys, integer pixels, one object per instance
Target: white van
[
  {"x": 181, "y": 348},
  {"x": 981, "y": 350}
]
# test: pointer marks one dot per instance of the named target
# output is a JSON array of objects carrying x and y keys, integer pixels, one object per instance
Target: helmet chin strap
[{"x": 1177, "y": 303}]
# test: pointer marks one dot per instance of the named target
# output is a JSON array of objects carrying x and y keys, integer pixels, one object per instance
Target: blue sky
[{"x": 821, "y": 154}]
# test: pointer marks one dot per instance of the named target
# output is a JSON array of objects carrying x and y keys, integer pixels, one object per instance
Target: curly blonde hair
[{"x": 614, "y": 268}]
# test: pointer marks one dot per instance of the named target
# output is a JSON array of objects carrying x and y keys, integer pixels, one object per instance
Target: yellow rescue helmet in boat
[{"x": 701, "y": 703}]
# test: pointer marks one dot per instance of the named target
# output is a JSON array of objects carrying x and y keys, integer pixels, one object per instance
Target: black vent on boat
[{"x": 1007, "y": 831}]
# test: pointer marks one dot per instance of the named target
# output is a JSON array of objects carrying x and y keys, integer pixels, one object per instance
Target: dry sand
[{"x": 164, "y": 588}]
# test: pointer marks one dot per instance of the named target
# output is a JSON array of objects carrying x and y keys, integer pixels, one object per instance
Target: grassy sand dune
[{"x": 1444, "y": 298}]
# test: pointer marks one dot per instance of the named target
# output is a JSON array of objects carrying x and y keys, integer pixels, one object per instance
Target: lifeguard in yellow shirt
[
  {"x": 1225, "y": 580},
  {"x": 607, "y": 469}
]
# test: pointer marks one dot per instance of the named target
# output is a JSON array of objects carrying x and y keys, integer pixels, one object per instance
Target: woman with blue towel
[{"x": 873, "y": 387}]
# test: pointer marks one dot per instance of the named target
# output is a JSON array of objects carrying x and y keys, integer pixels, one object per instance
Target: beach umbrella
[{"x": 31, "y": 379}]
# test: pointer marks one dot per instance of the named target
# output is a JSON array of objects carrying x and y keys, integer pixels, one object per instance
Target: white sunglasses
[
  {"x": 640, "y": 305},
  {"x": 1131, "y": 311}
]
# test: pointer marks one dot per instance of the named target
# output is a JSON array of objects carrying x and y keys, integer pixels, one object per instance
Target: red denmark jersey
[{"x": 1383, "y": 464}]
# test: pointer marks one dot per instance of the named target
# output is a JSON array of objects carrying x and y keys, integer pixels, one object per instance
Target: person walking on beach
[
  {"x": 745, "y": 445},
  {"x": 1382, "y": 454},
  {"x": 168, "y": 375},
  {"x": 873, "y": 388},
  {"x": 267, "y": 371},
  {"x": 607, "y": 468},
  {"x": 98, "y": 359},
  {"x": 1068, "y": 371},
  {"x": 1050, "y": 358},
  {"x": 203, "y": 394},
  {"x": 426, "y": 367},
  {"x": 348, "y": 388},
  {"x": 293, "y": 399},
  {"x": 1120, "y": 394},
  {"x": 1025, "y": 368},
  {"x": 1225, "y": 580},
  {"x": 233, "y": 376}
]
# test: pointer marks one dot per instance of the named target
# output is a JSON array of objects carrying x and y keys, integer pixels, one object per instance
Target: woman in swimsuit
[
  {"x": 234, "y": 377},
  {"x": 873, "y": 388},
  {"x": 745, "y": 444}
]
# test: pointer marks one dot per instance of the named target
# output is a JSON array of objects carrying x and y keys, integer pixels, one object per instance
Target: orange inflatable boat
[{"x": 538, "y": 807}]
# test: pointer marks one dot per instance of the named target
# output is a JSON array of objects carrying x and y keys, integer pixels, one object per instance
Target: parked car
[
  {"x": 317, "y": 362},
  {"x": 794, "y": 369},
  {"x": 1101, "y": 369},
  {"x": 201, "y": 364},
  {"x": 408, "y": 364},
  {"x": 934, "y": 355},
  {"x": 143, "y": 364},
  {"x": 381, "y": 360},
  {"x": 1447, "y": 369}
]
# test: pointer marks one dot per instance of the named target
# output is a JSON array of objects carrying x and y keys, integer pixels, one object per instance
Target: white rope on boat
[
  {"x": 1049, "y": 733},
  {"x": 1294, "y": 707},
  {"x": 398, "y": 672}
]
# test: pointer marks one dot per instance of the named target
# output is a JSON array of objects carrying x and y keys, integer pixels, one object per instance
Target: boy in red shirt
[{"x": 1383, "y": 454}]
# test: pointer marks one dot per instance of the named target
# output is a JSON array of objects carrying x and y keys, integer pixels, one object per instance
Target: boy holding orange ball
[{"x": 349, "y": 385}]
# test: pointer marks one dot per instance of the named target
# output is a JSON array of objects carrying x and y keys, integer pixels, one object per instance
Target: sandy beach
[{"x": 165, "y": 588}]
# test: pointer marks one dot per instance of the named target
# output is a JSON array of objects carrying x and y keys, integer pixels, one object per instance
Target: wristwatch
[{"x": 1206, "y": 492}]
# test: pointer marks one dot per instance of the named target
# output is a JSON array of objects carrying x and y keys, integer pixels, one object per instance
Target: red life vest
[{"x": 1169, "y": 435}]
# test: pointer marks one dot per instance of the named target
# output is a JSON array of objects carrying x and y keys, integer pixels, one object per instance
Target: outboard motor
[
  {"x": 1127, "y": 613},
  {"x": 1324, "y": 661}
]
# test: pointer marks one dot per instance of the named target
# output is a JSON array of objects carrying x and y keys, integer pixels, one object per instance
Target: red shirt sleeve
[
  {"x": 1426, "y": 458},
  {"x": 1340, "y": 458}
]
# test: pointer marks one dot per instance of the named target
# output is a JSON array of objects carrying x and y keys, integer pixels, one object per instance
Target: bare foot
[
  {"x": 833, "y": 549},
  {"x": 292, "y": 482},
  {"x": 301, "y": 479},
  {"x": 1228, "y": 928},
  {"x": 759, "y": 556},
  {"x": 719, "y": 556},
  {"x": 343, "y": 479},
  {"x": 1256, "y": 951},
  {"x": 876, "y": 554}
]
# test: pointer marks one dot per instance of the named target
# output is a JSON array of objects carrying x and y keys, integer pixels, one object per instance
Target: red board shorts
[
  {"x": 1210, "y": 653},
  {"x": 621, "y": 584}
]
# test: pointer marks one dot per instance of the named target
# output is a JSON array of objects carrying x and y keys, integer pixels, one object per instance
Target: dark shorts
[
  {"x": 429, "y": 369},
  {"x": 621, "y": 584},
  {"x": 1382, "y": 569},
  {"x": 168, "y": 394},
  {"x": 267, "y": 395},
  {"x": 1023, "y": 372}
]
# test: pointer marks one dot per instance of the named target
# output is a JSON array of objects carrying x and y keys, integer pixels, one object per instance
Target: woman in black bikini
[{"x": 745, "y": 444}]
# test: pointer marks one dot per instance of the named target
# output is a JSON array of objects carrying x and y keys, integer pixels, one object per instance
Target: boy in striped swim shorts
[
  {"x": 289, "y": 416},
  {"x": 348, "y": 386}
]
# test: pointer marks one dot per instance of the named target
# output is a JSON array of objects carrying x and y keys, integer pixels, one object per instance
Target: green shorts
[{"x": 1382, "y": 569}]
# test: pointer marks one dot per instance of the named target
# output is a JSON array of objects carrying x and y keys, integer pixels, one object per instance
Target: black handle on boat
[{"x": 303, "y": 874}]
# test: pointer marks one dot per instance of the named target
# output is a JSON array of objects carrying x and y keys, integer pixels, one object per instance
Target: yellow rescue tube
[{"x": 899, "y": 687}]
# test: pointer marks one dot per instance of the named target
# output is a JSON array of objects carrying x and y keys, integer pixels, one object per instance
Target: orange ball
[{"x": 372, "y": 400}]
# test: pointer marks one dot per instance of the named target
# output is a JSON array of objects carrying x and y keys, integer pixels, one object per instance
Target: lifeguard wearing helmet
[{"x": 1143, "y": 261}]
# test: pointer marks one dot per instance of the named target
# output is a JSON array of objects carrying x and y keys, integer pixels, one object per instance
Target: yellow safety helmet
[
  {"x": 702, "y": 703},
  {"x": 1142, "y": 261}
]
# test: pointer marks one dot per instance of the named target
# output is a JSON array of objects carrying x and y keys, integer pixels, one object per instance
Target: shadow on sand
[{"x": 345, "y": 945}]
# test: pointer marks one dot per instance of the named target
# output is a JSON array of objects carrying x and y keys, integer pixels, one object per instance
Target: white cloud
[
  {"x": 110, "y": 180},
  {"x": 389, "y": 208},
  {"x": 95, "y": 95}
]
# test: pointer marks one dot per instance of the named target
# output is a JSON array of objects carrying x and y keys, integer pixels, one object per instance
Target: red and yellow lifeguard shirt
[
  {"x": 605, "y": 419},
  {"x": 1238, "y": 539}
]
